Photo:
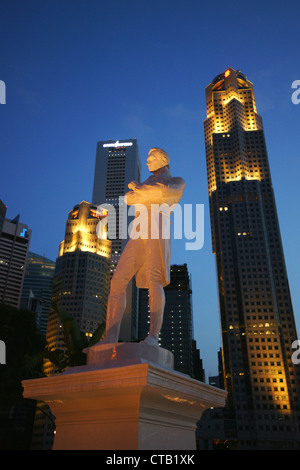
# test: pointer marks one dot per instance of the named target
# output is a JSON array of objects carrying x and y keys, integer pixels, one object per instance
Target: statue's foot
[
  {"x": 108, "y": 339},
  {"x": 151, "y": 341},
  {"x": 111, "y": 335}
]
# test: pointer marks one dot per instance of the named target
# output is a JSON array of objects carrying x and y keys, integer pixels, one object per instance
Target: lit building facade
[
  {"x": 257, "y": 320},
  {"x": 81, "y": 279},
  {"x": 117, "y": 164},
  {"x": 14, "y": 245},
  {"x": 37, "y": 288}
]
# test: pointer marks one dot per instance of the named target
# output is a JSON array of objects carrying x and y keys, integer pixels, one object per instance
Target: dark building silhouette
[
  {"x": 14, "y": 246},
  {"x": 2, "y": 215}
]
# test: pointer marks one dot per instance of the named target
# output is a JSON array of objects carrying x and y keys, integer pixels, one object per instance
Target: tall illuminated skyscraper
[
  {"x": 257, "y": 320},
  {"x": 117, "y": 164},
  {"x": 81, "y": 279}
]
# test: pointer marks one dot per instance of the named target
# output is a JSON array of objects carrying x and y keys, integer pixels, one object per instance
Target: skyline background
[{"x": 80, "y": 72}]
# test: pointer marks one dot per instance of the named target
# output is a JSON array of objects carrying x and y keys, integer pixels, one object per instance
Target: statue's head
[{"x": 157, "y": 158}]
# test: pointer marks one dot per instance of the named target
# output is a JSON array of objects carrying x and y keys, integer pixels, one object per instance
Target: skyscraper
[
  {"x": 257, "y": 320},
  {"x": 2, "y": 215},
  {"x": 117, "y": 164},
  {"x": 81, "y": 279},
  {"x": 14, "y": 245},
  {"x": 37, "y": 288}
]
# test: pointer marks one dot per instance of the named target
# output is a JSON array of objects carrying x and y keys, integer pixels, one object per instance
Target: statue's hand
[
  {"x": 133, "y": 185},
  {"x": 130, "y": 198}
]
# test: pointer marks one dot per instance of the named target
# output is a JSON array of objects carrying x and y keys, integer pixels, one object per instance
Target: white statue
[{"x": 146, "y": 257}]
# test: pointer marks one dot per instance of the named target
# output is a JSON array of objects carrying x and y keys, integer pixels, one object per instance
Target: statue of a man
[{"x": 146, "y": 257}]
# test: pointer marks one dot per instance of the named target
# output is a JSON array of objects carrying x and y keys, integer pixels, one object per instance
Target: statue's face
[{"x": 154, "y": 162}]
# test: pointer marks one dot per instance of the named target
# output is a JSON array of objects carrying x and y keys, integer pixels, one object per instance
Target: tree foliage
[{"x": 75, "y": 340}]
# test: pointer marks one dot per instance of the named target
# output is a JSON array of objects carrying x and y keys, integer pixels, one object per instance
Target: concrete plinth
[{"x": 141, "y": 405}]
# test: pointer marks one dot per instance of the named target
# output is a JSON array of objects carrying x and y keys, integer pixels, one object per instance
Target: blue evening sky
[{"x": 77, "y": 72}]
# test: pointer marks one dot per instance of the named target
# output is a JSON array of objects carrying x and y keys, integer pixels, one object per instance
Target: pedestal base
[
  {"x": 129, "y": 407},
  {"x": 121, "y": 354}
]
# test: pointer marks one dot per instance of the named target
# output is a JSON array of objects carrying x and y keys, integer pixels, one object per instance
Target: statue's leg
[
  {"x": 115, "y": 309},
  {"x": 156, "y": 306},
  {"x": 125, "y": 270}
]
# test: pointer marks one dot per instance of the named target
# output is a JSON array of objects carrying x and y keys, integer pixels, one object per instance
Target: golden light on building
[
  {"x": 81, "y": 231},
  {"x": 82, "y": 276},
  {"x": 257, "y": 322},
  {"x": 228, "y": 104}
]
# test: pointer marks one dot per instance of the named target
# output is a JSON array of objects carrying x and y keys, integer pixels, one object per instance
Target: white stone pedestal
[{"x": 121, "y": 401}]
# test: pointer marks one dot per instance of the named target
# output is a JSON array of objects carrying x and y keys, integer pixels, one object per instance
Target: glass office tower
[
  {"x": 37, "y": 288},
  {"x": 117, "y": 164},
  {"x": 257, "y": 320}
]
